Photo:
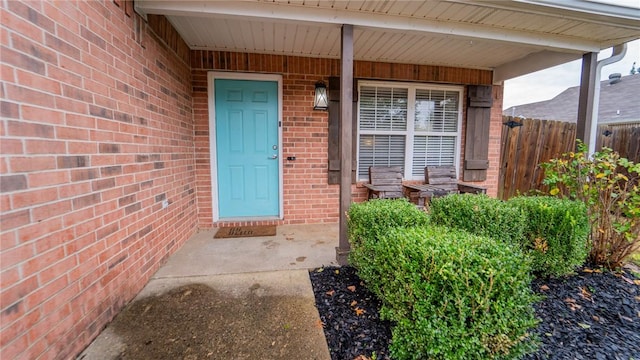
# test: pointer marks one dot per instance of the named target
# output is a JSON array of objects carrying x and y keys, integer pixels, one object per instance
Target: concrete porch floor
[
  {"x": 259, "y": 303},
  {"x": 293, "y": 247}
]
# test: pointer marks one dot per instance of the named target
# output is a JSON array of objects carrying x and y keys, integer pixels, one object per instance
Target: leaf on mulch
[
  {"x": 587, "y": 270},
  {"x": 584, "y": 326},
  {"x": 362, "y": 357},
  {"x": 330, "y": 292},
  {"x": 633, "y": 282},
  {"x": 351, "y": 288},
  {"x": 359, "y": 311},
  {"x": 572, "y": 304},
  {"x": 320, "y": 324},
  {"x": 544, "y": 288},
  {"x": 585, "y": 294},
  {"x": 353, "y": 303}
]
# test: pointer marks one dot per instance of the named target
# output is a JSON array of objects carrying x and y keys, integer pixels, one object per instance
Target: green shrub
[
  {"x": 556, "y": 235},
  {"x": 451, "y": 294},
  {"x": 368, "y": 221},
  {"x": 480, "y": 215},
  {"x": 608, "y": 184}
]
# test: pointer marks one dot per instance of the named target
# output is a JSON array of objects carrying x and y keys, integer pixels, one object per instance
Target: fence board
[{"x": 524, "y": 148}]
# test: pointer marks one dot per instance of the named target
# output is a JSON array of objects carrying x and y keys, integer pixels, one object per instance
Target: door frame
[{"x": 211, "y": 77}]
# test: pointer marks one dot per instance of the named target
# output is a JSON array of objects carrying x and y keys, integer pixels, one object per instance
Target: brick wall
[
  {"x": 307, "y": 196},
  {"x": 102, "y": 121},
  {"x": 96, "y": 133}
]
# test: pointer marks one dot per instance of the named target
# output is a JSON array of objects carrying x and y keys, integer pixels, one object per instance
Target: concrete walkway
[{"x": 254, "y": 293}]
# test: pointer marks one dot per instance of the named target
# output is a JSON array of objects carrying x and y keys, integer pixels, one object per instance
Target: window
[{"x": 408, "y": 125}]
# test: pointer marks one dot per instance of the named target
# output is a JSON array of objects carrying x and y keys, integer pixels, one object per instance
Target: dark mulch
[
  {"x": 349, "y": 312},
  {"x": 592, "y": 315}
]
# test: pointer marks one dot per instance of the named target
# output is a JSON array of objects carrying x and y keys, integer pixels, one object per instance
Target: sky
[{"x": 546, "y": 84}]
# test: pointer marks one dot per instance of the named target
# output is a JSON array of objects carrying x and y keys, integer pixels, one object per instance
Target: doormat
[{"x": 245, "y": 231}]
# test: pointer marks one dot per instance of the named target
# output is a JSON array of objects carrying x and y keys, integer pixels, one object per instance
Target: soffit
[{"x": 472, "y": 34}]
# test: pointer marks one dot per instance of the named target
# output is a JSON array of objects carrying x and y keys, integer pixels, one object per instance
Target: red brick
[
  {"x": 10, "y": 183},
  {"x": 29, "y": 129},
  {"x": 11, "y": 147},
  {"x": 44, "y": 147},
  {"x": 50, "y": 210},
  {"x": 33, "y": 197},
  {"x": 72, "y": 133},
  {"x": 86, "y": 200},
  {"x": 15, "y": 349},
  {"x": 61, "y": 46},
  {"x": 22, "y": 61},
  {"x": 40, "y": 179},
  {"x": 40, "y": 82},
  {"x": 83, "y": 147},
  {"x": 31, "y": 12},
  {"x": 14, "y": 219},
  {"x": 29, "y": 96},
  {"x": 32, "y": 163},
  {"x": 9, "y": 110},
  {"x": 64, "y": 76},
  {"x": 37, "y": 230},
  {"x": 12, "y": 298},
  {"x": 65, "y": 162},
  {"x": 72, "y": 190},
  {"x": 37, "y": 264}
]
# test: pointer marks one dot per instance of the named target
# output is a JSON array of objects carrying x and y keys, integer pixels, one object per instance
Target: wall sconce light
[{"x": 321, "y": 101}]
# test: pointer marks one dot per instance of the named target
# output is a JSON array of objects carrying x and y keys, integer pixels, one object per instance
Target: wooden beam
[
  {"x": 346, "y": 130},
  {"x": 587, "y": 94},
  {"x": 533, "y": 62}
]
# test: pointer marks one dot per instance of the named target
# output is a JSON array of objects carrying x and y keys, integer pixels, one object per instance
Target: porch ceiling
[{"x": 512, "y": 38}]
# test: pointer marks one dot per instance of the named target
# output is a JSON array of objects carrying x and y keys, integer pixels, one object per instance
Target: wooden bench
[
  {"x": 421, "y": 194},
  {"x": 385, "y": 182},
  {"x": 440, "y": 181},
  {"x": 444, "y": 177}
]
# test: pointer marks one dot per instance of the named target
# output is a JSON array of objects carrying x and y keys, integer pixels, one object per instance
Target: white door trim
[{"x": 211, "y": 76}]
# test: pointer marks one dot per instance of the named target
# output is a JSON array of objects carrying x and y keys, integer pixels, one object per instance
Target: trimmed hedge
[
  {"x": 369, "y": 220},
  {"x": 480, "y": 215},
  {"x": 451, "y": 294},
  {"x": 556, "y": 234}
]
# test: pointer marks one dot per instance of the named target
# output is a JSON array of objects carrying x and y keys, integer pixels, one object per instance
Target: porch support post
[
  {"x": 346, "y": 129},
  {"x": 587, "y": 95}
]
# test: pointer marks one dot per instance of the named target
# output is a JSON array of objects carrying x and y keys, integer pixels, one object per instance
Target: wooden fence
[
  {"x": 537, "y": 141},
  {"x": 623, "y": 138}
]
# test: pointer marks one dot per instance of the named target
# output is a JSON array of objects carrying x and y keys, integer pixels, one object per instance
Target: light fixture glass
[{"x": 321, "y": 101}]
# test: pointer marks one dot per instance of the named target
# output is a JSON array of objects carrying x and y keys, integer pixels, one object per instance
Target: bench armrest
[{"x": 466, "y": 188}]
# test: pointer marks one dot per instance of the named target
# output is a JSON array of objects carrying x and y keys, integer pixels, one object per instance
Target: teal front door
[{"x": 247, "y": 148}]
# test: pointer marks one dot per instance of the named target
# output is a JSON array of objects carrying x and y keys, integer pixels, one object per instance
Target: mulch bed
[{"x": 592, "y": 315}]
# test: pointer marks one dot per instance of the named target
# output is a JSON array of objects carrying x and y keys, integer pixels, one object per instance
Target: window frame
[{"x": 410, "y": 131}]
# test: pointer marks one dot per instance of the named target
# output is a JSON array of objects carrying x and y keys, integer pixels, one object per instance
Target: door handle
[{"x": 274, "y": 156}]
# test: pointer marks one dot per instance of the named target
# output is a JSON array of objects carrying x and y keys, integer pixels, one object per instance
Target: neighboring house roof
[
  {"x": 619, "y": 102},
  {"x": 511, "y": 38}
]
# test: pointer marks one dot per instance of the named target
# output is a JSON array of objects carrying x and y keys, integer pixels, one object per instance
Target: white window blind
[
  {"x": 380, "y": 150},
  {"x": 408, "y": 125}
]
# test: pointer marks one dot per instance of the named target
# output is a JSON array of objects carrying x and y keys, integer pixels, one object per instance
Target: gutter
[{"x": 618, "y": 53}]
